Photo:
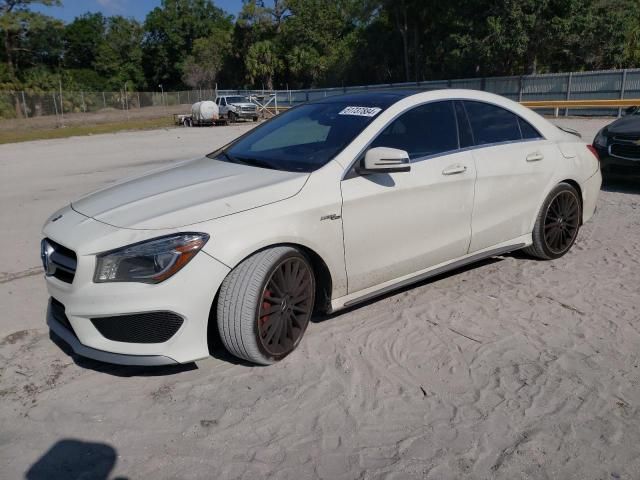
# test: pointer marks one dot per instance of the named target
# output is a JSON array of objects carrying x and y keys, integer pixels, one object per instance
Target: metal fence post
[
  {"x": 569, "y": 83},
  {"x": 61, "y": 104},
  {"x": 520, "y": 88},
  {"x": 622, "y": 89},
  {"x": 24, "y": 105},
  {"x": 104, "y": 100},
  {"x": 55, "y": 105},
  {"x": 84, "y": 105}
]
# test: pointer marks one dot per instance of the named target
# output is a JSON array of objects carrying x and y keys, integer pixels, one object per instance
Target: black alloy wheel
[
  {"x": 286, "y": 306},
  {"x": 562, "y": 222}
]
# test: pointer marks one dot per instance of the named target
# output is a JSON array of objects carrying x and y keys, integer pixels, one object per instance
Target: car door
[
  {"x": 223, "y": 106},
  {"x": 400, "y": 223},
  {"x": 513, "y": 163}
]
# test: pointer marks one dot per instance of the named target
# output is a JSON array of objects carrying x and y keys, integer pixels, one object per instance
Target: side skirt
[{"x": 432, "y": 273}]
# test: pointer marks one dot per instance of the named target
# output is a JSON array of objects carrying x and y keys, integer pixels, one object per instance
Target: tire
[
  {"x": 557, "y": 224},
  {"x": 255, "y": 119},
  {"x": 232, "y": 117},
  {"x": 266, "y": 282}
]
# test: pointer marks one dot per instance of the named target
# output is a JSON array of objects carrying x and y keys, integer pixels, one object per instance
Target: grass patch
[{"x": 78, "y": 130}]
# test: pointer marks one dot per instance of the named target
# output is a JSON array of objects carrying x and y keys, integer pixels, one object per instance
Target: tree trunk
[
  {"x": 8, "y": 52},
  {"x": 405, "y": 43},
  {"x": 416, "y": 52},
  {"x": 401, "y": 23}
]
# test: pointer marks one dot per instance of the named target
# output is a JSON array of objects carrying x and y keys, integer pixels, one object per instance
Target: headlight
[
  {"x": 151, "y": 261},
  {"x": 601, "y": 138}
]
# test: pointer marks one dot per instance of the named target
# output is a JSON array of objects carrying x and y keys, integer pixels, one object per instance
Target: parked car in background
[
  {"x": 327, "y": 205},
  {"x": 237, "y": 107},
  {"x": 618, "y": 144}
]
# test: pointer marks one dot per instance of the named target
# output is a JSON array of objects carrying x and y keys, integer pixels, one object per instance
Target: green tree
[
  {"x": 119, "y": 57},
  {"x": 262, "y": 63},
  {"x": 82, "y": 39},
  {"x": 171, "y": 32},
  {"x": 201, "y": 69},
  {"x": 16, "y": 21}
]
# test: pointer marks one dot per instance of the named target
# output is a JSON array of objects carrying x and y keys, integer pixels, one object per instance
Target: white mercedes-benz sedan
[{"x": 329, "y": 204}]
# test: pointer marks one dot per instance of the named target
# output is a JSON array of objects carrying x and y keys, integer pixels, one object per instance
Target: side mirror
[{"x": 384, "y": 160}]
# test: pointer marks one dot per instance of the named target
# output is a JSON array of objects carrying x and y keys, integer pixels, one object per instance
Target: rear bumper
[{"x": 590, "y": 191}]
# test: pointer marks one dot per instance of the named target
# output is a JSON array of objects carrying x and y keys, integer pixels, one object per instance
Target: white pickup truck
[{"x": 236, "y": 107}]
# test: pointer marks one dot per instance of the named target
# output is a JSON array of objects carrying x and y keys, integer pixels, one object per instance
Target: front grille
[
  {"x": 59, "y": 315},
  {"x": 58, "y": 261},
  {"x": 248, "y": 109},
  {"x": 626, "y": 137},
  {"x": 625, "y": 151},
  {"x": 152, "y": 327}
]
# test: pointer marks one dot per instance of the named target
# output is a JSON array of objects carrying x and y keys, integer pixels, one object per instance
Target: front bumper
[
  {"x": 247, "y": 115},
  {"x": 72, "y": 340},
  {"x": 613, "y": 164},
  {"x": 189, "y": 294}
]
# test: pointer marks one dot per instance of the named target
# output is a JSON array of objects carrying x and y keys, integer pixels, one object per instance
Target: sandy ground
[{"x": 511, "y": 369}]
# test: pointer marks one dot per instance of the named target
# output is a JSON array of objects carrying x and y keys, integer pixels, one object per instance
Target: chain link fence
[
  {"x": 25, "y": 104},
  {"x": 604, "y": 85}
]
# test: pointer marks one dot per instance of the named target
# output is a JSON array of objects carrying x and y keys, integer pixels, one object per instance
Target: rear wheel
[
  {"x": 557, "y": 224},
  {"x": 265, "y": 304}
]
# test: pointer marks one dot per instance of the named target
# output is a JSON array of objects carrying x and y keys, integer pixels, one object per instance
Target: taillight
[{"x": 593, "y": 150}]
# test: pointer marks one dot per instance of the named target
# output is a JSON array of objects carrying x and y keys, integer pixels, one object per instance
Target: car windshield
[
  {"x": 237, "y": 100},
  {"x": 302, "y": 139}
]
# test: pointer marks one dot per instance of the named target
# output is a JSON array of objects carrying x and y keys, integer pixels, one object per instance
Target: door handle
[
  {"x": 535, "y": 157},
  {"x": 454, "y": 169}
]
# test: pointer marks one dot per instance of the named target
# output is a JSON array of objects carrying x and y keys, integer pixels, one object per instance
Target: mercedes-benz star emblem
[{"x": 45, "y": 254}]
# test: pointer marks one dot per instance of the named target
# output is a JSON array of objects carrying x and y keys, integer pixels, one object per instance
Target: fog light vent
[{"x": 152, "y": 327}]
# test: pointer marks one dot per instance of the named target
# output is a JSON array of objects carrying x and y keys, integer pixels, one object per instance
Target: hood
[
  {"x": 629, "y": 125},
  {"x": 188, "y": 193}
]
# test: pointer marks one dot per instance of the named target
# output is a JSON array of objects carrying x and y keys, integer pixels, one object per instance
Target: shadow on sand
[{"x": 72, "y": 459}]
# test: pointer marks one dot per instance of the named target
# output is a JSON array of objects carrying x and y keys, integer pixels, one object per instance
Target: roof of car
[{"x": 380, "y": 98}]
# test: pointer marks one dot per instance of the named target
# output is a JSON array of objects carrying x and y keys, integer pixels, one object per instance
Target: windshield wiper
[
  {"x": 254, "y": 162},
  {"x": 251, "y": 162}
]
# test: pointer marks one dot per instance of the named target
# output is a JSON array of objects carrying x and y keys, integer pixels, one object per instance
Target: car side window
[
  {"x": 223, "y": 102},
  {"x": 492, "y": 124},
  {"x": 217, "y": 101},
  {"x": 527, "y": 130},
  {"x": 425, "y": 130},
  {"x": 464, "y": 127}
]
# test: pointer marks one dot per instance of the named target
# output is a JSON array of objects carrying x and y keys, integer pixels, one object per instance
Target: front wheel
[
  {"x": 557, "y": 224},
  {"x": 265, "y": 304}
]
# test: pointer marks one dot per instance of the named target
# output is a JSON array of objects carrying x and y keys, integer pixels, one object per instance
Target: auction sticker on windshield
[{"x": 361, "y": 111}]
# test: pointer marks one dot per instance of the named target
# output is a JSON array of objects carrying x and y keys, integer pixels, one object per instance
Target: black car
[{"x": 618, "y": 144}]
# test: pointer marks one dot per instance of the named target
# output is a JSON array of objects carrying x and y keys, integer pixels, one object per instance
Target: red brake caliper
[{"x": 265, "y": 306}]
